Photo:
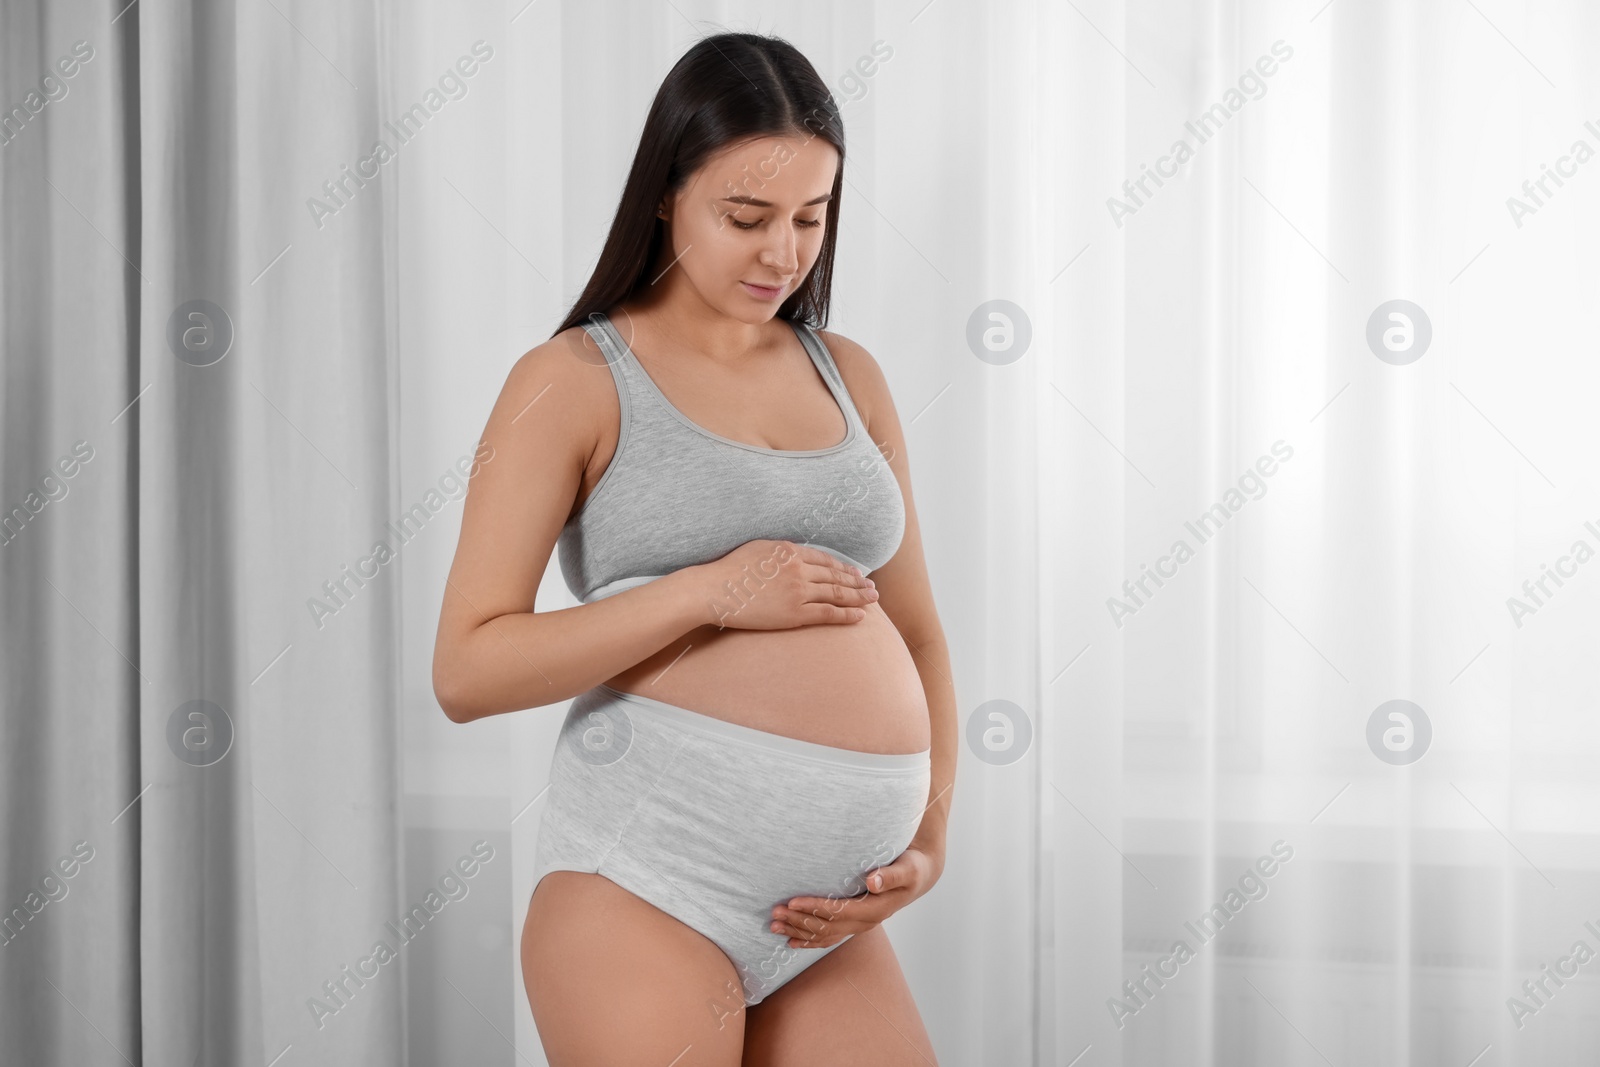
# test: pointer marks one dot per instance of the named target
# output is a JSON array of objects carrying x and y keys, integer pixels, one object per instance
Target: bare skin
[
  {"x": 854, "y": 998},
  {"x": 821, "y": 653}
]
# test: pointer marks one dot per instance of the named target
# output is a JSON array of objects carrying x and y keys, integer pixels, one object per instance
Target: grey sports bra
[{"x": 676, "y": 495}]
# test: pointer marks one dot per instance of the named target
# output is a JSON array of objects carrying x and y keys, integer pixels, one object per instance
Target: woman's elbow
[
  {"x": 451, "y": 695},
  {"x": 453, "y": 707}
]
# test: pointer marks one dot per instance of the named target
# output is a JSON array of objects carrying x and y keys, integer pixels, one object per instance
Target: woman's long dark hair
[{"x": 728, "y": 88}]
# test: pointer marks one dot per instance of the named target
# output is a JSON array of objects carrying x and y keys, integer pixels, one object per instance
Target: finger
[
  {"x": 820, "y": 566},
  {"x": 795, "y": 929},
  {"x": 857, "y": 594},
  {"x": 853, "y": 578},
  {"x": 803, "y": 936},
  {"x": 894, "y": 876},
  {"x": 798, "y": 936},
  {"x": 832, "y": 613},
  {"x": 854, "y": 909},
  {"x": 835, "y": 933},
  {"x": 839, "y": 585},
  {"x": 846, "y": 596},
  {"x": 803, "y": 926},
  {"x": 807, "y": 926},
  {"x": 794, "y": 942},
  {"x": 817, "y": 905}
]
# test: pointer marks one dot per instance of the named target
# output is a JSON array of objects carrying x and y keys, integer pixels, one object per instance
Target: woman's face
[{"x": 752, "y": 217}]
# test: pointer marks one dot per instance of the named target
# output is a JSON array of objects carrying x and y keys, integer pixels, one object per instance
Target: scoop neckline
[{"x": 835, "y": 391}]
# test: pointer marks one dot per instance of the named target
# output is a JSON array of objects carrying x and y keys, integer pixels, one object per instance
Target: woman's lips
[{"x": 763, "y": 292}]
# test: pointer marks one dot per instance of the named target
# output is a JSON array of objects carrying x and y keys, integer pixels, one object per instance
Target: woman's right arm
[{"x": 493, "y": 653}]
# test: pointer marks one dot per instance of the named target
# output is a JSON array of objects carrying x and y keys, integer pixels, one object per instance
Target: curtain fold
[
  {"x": 200, "y": 683},
  {"x": 69, "y": 735}
]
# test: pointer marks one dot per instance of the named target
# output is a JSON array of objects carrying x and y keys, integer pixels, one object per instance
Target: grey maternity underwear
[{"x": 715, "y": 822}]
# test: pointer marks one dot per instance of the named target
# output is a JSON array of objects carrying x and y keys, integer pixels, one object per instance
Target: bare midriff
[{"x": 848, "y": 685}]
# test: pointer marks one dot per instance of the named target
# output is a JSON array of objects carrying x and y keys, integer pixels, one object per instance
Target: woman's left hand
[{"x": 817, "y": 922}]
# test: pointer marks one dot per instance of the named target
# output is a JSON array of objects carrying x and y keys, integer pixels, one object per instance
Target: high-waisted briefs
[{"x": 714, "y": 822}]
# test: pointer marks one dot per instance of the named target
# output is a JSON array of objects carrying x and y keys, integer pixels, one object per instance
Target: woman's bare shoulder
[
  {"x": 862, "y": 375},
  {"x": 565, "y": 381},
  {"x": 571, "y": 357}
]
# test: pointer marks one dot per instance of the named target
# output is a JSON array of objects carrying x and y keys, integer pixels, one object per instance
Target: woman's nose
[{"x": 781, "y": 253}]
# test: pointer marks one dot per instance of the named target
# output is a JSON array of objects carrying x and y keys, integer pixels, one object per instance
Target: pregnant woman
[{"x": 755, "y": 770}]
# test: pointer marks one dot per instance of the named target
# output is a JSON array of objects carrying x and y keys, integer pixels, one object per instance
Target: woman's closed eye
[{"x": 807, "y": 223}]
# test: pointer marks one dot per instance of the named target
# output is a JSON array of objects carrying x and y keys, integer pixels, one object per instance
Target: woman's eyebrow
[{"x": 756, "y": 202}]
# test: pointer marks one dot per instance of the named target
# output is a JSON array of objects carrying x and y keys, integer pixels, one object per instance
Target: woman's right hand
[{"x": 778, "y": 585}]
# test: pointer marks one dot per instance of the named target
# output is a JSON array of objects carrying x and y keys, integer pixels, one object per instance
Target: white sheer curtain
[
  {"x": 1373, "y": 165},
  {"x": 1173, "y": 343}
]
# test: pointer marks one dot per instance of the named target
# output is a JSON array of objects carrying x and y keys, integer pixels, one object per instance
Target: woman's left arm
[{"x": 906, "y": 598}]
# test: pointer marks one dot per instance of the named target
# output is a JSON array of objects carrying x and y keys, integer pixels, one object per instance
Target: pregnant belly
[{"x": 849, "y": 686}]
